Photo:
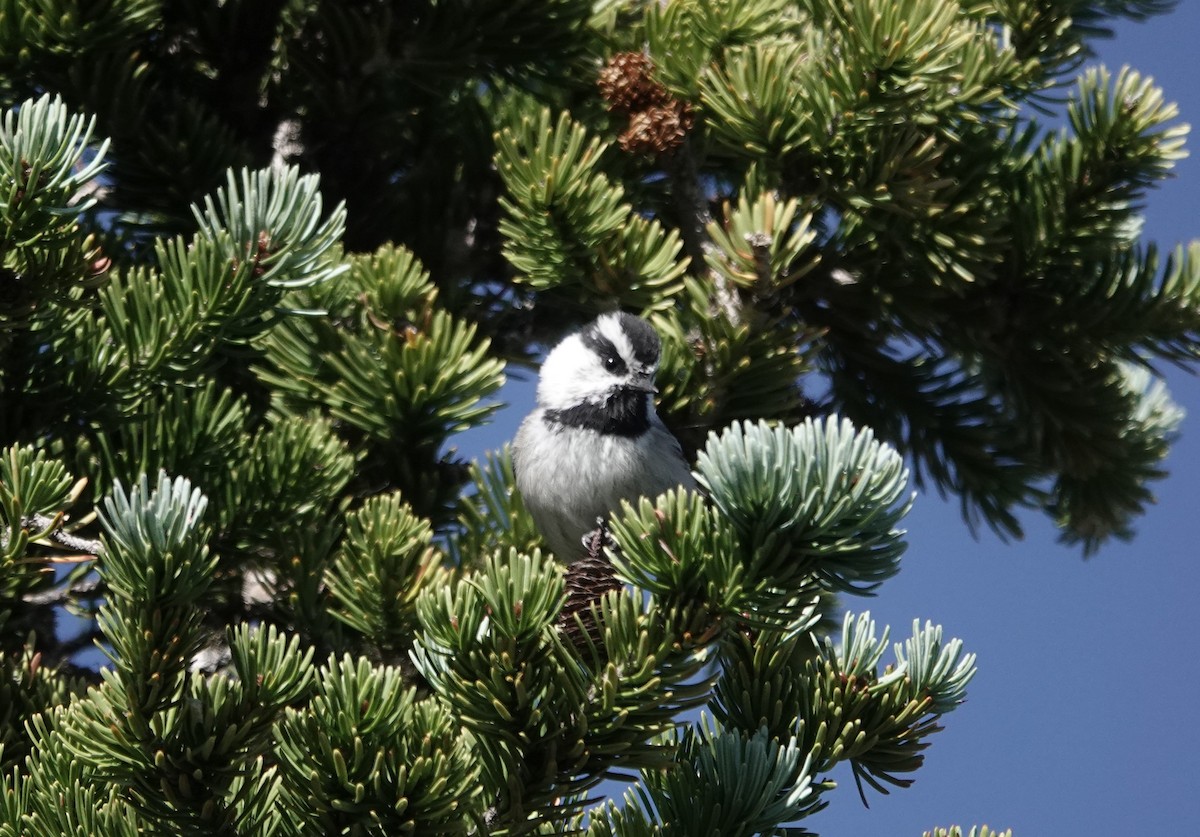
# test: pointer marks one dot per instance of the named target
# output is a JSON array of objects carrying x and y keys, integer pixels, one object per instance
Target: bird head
[{"x": 615, "y": 357}]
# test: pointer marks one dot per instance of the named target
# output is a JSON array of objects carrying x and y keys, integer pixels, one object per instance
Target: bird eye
[{"x": 610, "y": 362}]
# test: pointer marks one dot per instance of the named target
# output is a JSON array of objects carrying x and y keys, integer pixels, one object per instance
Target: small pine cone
[
  {"x": 587, "y": 580},
  {"x": 627, "y": 83},
  {"x": 659, "y": 129}
]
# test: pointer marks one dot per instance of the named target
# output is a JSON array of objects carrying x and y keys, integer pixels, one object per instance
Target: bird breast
[{"x": 582, "y": 474}]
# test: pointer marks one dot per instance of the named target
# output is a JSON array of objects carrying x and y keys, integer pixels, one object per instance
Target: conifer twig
[{"x": 694, "y": 218}]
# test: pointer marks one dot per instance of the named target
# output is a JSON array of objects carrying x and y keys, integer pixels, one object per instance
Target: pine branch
[{"x": 855, "y": 187}]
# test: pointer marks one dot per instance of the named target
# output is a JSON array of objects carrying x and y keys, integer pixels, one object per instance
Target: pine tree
[{"x": 263, "y": 260}]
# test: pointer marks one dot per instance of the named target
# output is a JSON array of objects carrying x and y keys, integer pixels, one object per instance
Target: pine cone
[
  {"x": 627, "y": 83},
  {"x": 660, "y": 129},
  {"x": 587, "y": 580}
]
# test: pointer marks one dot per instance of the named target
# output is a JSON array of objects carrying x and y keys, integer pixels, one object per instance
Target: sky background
[{"x": 1081, "y": 719}]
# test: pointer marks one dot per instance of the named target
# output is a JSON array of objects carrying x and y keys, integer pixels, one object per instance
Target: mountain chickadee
[{"x": 594, "y": 438}]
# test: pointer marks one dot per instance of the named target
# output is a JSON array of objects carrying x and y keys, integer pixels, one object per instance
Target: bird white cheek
[{"x": 572, "y": 375}]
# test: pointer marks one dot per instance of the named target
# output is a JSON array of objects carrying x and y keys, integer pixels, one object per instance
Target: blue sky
[{"x": 1080, "y": 720}]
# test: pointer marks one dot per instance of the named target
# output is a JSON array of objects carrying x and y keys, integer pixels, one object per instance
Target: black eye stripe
[
  {"x": 613, "y": 363},
  {"x": 607, "y": 352}
]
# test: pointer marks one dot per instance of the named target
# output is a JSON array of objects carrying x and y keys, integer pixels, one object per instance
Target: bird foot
[{"x": 598, "y": 539}]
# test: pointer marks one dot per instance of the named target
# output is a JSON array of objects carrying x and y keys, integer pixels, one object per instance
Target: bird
[{"x": 594, "y": 437}]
